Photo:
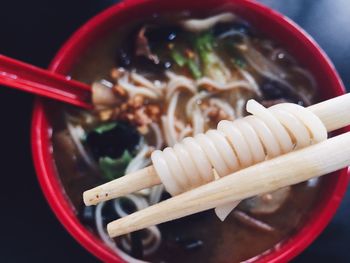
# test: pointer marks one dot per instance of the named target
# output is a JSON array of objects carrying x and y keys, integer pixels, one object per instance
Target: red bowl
[{"x": 273, "y": 24}]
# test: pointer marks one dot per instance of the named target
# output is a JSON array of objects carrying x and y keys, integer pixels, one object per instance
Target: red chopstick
[{"x": 26, "y": 77}]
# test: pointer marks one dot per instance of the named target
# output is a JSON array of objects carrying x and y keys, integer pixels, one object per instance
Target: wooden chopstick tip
[
  {"x": 112, "y": 231},
  {"x": 90, "y": 198}
]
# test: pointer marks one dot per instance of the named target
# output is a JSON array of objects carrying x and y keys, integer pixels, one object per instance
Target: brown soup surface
[{"x": 201, "y": 237}]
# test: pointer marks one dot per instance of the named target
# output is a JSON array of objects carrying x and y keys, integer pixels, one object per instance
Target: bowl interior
[{"x": 270, "y": 23}]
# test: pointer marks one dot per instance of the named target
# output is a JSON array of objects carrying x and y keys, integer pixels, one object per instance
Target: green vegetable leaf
[
  {"x": 204, "y": 46},
  {"x": 212, "y": 65},
  {"x": 179, "y": 59},
  {"x": 194, "y": 69},
  {"x": 105, "y": 127},
  {"x": 182, "y": 61},
  {"x": 114, "y": 168}
]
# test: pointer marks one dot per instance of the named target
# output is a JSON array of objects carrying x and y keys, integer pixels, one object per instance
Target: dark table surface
[{"x": 33, "y": 31}]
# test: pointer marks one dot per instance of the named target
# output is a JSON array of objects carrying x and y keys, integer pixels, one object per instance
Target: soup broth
[{"x": 161, "y": 49}]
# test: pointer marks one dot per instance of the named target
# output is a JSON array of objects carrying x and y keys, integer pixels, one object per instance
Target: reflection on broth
[{"x": 156, "y": 82}]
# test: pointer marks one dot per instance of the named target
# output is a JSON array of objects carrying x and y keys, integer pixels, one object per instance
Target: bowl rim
[{"x": 47, "y": 174}]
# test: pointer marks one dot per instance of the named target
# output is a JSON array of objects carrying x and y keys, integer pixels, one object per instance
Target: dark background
[{"x": 33, "y": 31}]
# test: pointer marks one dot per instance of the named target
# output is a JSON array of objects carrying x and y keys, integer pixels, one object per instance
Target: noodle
[
  {"x": 185, "y": 132},
  {"x": 224, "y": 106},
  {"x": 171, "y": 117},
  {"x": 239, "y": 84},
  {"x": 153, "y": 239},
  {"x": 139, "y": 161},
  {"x": 75, "y": 133},
  {"x": 177, "y": 82},
  {"x": 195, "y": 100},
  {"x": 197, "y": 121},
  {"x": 240, "y": 105},
  {"x": 146, "y": 83},
  {"x": 107, "y": 240},
  {"x": 158, "y": 135},
  {"x": 133, "y": 90},
  {"x": 251, "y": 81},
  {"x": 156, "y": 194},
  {"x": 197, "y": 25},
  {"x": 234, "y": 145}
]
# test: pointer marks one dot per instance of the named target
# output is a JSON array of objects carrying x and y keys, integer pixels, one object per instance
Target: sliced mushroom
[
  {"x": 266, "y": 203},
  {"x": 143, "y": 48}
]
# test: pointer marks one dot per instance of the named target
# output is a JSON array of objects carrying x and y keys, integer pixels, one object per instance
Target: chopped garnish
[
  {"x": 189, "y": 53},
  {"x": 182, "y": 61},
  {"x": 194, "y": 69},
  {"x": 179, "y": 59},
  {"x": 212, "y": 65}
]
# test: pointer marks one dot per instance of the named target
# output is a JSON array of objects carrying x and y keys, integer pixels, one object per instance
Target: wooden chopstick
[
  {"x": 135, "y": 181},
  {"x": 334, "y": 113},
  {"x": 288, "y": 169}
]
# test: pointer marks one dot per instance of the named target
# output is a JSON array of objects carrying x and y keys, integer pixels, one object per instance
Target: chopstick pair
[{"x": 287, "y": 169}]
